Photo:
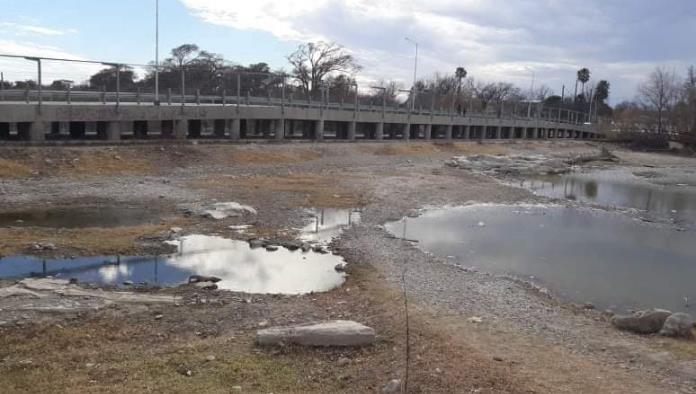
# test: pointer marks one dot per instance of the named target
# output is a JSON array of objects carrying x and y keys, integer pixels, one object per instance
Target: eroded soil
[{"x": 520, "y": 341}]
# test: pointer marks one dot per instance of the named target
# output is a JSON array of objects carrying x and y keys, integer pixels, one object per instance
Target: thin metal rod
[{"x": 156, "y": 52}]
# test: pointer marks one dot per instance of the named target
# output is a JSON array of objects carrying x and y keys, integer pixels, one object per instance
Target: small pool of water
[
  {"x": 79, "y": 217},
  {"x": 584, "y": 255},
  {"x": 622, "y": 188},
  {"x": 240, "y": 267},
  {"x": 327, "y": 223}
]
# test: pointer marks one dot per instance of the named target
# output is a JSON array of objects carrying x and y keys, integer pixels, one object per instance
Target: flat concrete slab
[{"x": 330, "y": 333}]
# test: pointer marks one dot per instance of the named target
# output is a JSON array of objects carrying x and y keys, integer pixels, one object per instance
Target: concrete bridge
[{"x": 98, "y": 115}]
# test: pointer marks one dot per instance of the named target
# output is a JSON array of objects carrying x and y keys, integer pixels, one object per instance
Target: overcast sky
[{"x": 620, "y": 41}]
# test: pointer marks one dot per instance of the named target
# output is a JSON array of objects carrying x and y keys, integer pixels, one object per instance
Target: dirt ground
[{"x": 525, "y": 342}]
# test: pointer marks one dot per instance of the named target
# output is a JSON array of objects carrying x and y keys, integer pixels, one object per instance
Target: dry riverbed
[{"x": 469, "y": 331}]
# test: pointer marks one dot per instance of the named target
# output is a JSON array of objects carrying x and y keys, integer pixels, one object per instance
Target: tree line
[
  {"x": 320, "y": 69},
  {"x": 665, "y": 104}
]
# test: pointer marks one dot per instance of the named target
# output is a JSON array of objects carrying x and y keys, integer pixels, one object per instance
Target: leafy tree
[
  {"x": 106, "y": 79},
  {"x": 460, "y": 73},
  {"x": 583, "y": 77},
  {"x": 182, "y": 55},
  {"x": 601, "y": 96}
]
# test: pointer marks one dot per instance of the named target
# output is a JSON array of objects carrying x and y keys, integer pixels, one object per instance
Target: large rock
[
  {"x": 331, "y": 333},
  {"x": 678, "y": 325},
  {"x": 644, "y": 322}
]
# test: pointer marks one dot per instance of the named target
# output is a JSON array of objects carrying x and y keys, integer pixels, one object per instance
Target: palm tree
[
  {"x": 583, "y": 77},
  {"x": 460, "y": 74}
]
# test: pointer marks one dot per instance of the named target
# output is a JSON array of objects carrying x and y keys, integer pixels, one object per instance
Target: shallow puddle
[
  {"x": 585, "y": 255},
  {"x": 79, "y": 217},
  {"x": 327, "y": 223},
  {"x": 240, "y": 267},
  {"x": 622, "y": 188}
]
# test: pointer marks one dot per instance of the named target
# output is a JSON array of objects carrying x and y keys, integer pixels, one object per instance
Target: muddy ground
[{"x": 520, "y": 341}]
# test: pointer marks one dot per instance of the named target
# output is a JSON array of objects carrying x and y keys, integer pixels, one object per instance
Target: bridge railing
[{"x": 115, "y": 84}]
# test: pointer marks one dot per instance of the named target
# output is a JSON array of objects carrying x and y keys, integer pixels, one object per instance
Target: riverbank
[{"x": 470, "y": 331}]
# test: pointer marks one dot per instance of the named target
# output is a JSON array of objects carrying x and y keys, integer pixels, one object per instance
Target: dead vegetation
[
  {"x": 129, "y": 352},
  {"x": 269, "y": 155},
  {"x": 428, "y": 148},
  {"x": 12, "y": 169},
  {"x": 82, "y": 241},
  {"x": 297, "y": 189}
]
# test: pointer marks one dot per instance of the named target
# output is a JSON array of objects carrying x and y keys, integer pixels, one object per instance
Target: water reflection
[
  {"x": 240, "y": 267},
  {"x": 586, "y": 255},
  {"x": 327, "y": 223},
  {"x": 620, "y": 188}
]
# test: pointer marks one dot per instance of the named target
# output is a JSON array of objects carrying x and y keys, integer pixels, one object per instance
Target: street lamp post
[
  {"x": 531, "y": 92},
  {"x": 157, "y": 52},
  {"x": 415, "y": 71}
]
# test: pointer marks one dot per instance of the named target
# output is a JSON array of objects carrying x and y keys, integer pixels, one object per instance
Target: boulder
[
  {"x": 678, "y": 325},
  {"x": 256, "y": 243},
  {"x": 394, "y": 386},
  {"x": 203, "y": 278},
  {"x": 330, "y": 333},
  {"x": 206, "y": 285},
  {"x": 644, "y": 322}
]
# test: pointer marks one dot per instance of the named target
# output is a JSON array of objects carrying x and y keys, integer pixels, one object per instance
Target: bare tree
[
  {"x": 659, "y": 93},
  {"x": 495, "y": 92},
  {"x": 313, "y": 61}
]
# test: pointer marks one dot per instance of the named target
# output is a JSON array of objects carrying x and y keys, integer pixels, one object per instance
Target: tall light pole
[
  {"x": 531, "y": 91},
  {"x": 157, "y": 52},
  {"x": 415, "y": 72}
]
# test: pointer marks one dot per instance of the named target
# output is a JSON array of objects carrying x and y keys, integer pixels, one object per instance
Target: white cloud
[
  {"x": 494, "y": 39},
  {"x": 19, "y": 29}
]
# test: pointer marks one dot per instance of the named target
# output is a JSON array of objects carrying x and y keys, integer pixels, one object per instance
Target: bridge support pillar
[
  {"x": 498, "y": 132},
  {"x": 181, "y": 129},
  {"x": 251, "y": 128},
  {"x": 280, "y": 129},
  {"x": 448, "y": 132},
  {"x": 234, "y": 129},
  {"x": 428, "y": 131},
  {"x": 319, "y": 130},
  {"x": 113, "y": 131},
  {"x": 37, "y": 131},
  {"x": 406, "y": 134},
  {"x": 379, "y": 131},
  {"x": 351, "y": 130}
]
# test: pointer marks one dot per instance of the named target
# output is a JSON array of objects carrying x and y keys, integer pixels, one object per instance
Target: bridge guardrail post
[
  {"x": 169, "y": 96},
  {"x": 103, "y": 95},
  {"x": 198, "y": 97},
  {"x": 224, "y": 97},
  {"x": 183, "y": 89},
  {"x": 68, "y": 95}
]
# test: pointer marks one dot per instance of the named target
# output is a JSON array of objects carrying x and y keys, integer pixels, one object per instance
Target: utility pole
[
  {"x": 157, "y": 52},
  {"x": 531, "y": 93},
  {"x": 415, "y": 72}
]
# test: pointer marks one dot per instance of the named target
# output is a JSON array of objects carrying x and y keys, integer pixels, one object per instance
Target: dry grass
[
  {"x": 96, "y": 241},
  {"x": 429, "y": 148},
  {"x": 100, "y": 163},
  {"x": 136, "y": 353},
  {"x": 267, "y": 155},
  {"x": 13, "y": 169},
  {"x": 302, "y": 189}
]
